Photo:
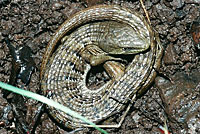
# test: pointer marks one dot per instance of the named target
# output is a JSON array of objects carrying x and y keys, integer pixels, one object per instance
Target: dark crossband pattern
[{"x": 100, "y": 30}]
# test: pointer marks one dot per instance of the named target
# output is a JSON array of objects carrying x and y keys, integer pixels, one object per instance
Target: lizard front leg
[{"x": 95, "y": 56}]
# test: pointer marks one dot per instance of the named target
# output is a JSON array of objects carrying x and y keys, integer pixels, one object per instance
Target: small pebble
[{"x": 56, "y": 6}]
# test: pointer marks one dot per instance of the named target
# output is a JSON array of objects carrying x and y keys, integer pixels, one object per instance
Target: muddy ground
[{"x": 173, "y": 98}]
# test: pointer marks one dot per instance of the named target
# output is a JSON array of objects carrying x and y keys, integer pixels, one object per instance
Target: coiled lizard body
[{"x": 99, "y": 35}]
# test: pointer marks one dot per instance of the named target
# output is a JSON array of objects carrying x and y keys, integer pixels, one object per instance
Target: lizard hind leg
[{"x": 114, "y": 69}]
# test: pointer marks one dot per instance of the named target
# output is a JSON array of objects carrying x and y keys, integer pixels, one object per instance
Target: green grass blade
[{"x": 48, "y": 102}]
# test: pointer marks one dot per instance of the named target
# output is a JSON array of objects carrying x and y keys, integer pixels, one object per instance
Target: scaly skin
[{"x": 98, "y": 32}]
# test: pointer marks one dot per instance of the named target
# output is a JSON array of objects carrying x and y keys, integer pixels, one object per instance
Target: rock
[{"x": 170, "y": 55}]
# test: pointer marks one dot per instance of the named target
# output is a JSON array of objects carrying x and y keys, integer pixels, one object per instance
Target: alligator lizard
[{"x": 93, "y": 36}]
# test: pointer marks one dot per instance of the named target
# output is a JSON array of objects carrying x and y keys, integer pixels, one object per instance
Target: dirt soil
[{"x": 174, "y": 97}]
